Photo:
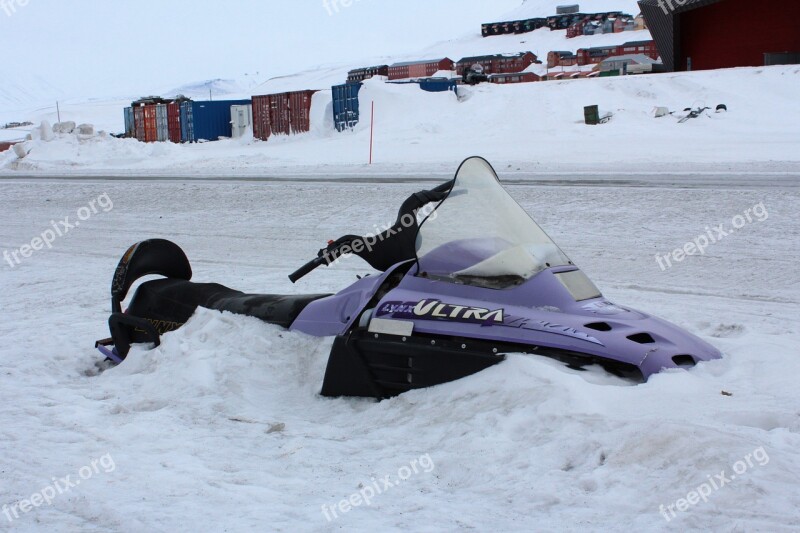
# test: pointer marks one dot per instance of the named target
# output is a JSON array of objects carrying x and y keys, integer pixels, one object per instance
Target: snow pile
[{"x": 534, "y": 126}]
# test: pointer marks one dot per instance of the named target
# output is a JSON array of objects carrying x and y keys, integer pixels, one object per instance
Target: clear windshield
[{"x": 480, "y": 236}]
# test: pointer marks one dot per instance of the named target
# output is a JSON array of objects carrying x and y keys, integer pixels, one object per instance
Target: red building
[
  {"x": 361, "y": 74},
  {"x": 711, "y": 34},
  {"x": 419, "y": 69},
  {"x": 518, "y": 77},
  {"x": 593, "y": 56},
  {"x": 561, "y": 59},
  {"x": 499, "y": 63}
]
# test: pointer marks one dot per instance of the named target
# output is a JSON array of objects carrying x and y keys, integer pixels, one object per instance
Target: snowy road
[{"x": 221, "y": 428}]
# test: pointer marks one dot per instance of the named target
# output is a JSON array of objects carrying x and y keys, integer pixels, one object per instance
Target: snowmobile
[{"x": 466, "y": 277}]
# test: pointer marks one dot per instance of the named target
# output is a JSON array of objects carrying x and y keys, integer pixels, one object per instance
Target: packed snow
[{"x": 222, "y": 427}]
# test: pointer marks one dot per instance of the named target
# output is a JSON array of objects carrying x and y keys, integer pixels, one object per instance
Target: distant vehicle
[{"x": 475, "y": 75}]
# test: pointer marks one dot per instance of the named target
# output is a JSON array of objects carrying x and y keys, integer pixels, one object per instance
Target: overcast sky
[{"x": 120, "y": 47}]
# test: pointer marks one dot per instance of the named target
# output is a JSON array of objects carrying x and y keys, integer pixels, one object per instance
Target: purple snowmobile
[{"x": 466, "y": 277}]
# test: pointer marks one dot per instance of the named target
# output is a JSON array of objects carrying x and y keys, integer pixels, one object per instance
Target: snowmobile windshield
[{"x": 480, "y": 236}]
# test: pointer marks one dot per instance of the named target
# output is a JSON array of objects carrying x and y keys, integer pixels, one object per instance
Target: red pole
[{"x": 371, "y": 131}]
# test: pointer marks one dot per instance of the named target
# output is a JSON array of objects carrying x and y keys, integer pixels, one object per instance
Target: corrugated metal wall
[
  {"x": 282, "y": 114},
  {"x": 138, "y": 115},
  {"x": 162, "y": 125},
  {"x": 130, "y": 124},
  {"x": 174, "y": 121},
  {"x": 345, "y": 105}
]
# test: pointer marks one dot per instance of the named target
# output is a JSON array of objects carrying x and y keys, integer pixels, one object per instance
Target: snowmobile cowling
[{"x": 470, "y": 278}]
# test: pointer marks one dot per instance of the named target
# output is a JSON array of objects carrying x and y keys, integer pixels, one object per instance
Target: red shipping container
[
  {"x": 262, "y": 127},
  {"x": 174, "y": 121},
  {"x": 138, "y": 120},
  {"x": 150, "y": 124},
  {"x": 300, "y": 111},
  {"x": 282, "y": 114}
]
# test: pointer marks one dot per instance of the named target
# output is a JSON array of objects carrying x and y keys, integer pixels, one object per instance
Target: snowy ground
[
  {"x": 222, "y": 429},
  {"x": 533, "y": 127}
]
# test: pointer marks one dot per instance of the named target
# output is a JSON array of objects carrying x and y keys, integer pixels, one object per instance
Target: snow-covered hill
[{"x": 535, "y": 127}]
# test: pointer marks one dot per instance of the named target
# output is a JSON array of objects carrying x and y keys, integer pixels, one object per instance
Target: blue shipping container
[
  {"x": 130, "y": 126},
  {"x": 438, "y": 85},
  {"x": 207, "y": 121},
  {"x": 345, "y": 105}
]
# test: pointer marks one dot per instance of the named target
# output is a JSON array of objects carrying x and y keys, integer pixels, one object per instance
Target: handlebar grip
[{"x": 305, "y": 270}]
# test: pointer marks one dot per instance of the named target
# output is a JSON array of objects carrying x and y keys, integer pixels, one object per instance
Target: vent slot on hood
[{"x": 642, "y": 338}]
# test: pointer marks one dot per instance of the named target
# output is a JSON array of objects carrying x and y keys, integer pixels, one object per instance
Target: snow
[
  {"x": 222, "y": 427},
  {"x": 533, "y": 127}
]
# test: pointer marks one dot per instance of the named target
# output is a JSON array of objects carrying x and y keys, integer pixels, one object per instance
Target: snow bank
[{"x": 536, "y": 125}]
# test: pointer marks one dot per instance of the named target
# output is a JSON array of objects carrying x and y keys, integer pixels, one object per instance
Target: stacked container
[
  {"x": 284, "y": 113},
  {"x": 162, "y": 128},
  {"x": 207, "y": 121},
  {"x": 138, "y": 116},
  {"x": 150, "y": 124},
  {"x": 174, "y": 121},
  {"x": 130, "y": 124},
  {"x": 345, "y": 105}
]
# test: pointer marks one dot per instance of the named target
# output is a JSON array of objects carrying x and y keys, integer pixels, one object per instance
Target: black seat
[{"x": 171, "y": 302}]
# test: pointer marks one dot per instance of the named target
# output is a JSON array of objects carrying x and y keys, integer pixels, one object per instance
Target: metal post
[
  {"x": 58, "y": 111},
  {"x": 371, "y": 132}
]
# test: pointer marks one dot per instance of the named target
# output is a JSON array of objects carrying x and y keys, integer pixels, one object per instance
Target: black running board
[{"x": 382, "y": 366}]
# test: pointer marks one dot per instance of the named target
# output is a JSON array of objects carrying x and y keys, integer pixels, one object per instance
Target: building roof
[
  {"x": 637, "y": 43},
  {"x": 420, "y": 62},
  {"x": 496, "y": 56},
  {"x": 638, "y": 58}
]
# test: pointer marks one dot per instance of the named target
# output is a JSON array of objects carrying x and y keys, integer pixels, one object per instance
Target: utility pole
[{"x": 58, "y": 111}]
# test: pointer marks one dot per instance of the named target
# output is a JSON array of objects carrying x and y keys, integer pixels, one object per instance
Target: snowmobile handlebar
[
  {"x": 381, "y": 251},
  {"x": 306, "y": 269},
  {"x": 325, "y": 256}
]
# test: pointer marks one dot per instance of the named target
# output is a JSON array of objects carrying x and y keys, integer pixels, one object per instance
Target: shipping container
[
  {"x": 282, "y": 114},
  {"x": 162, "y": 125},
  {"x": 241, "y": 120},
  {"x": 130, "y": 127},
  {"x": 174, "y": 121},
  {"x": 207, "y": 121},
  {"x": 138, "y": 122},
  {"x": 438, "y": 85},
  {"x": 345, "y": 105},
  {"x": 262, "y": 125},
  {"x": 150, "y": 124}
]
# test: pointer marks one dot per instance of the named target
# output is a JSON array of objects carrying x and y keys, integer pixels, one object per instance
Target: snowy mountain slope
[
  {"x": 535, "y": 127},
  {"x": 221, "y": 428}
]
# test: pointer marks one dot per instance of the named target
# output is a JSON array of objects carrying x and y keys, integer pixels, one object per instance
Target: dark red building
[
  {"x": 499, "y": 63},
  {"x": 419, "y": 69},
  {"x": 711, "y": 34}
]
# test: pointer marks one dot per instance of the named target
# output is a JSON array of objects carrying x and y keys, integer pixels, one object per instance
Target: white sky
[{"x": 99, "y": 48}]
